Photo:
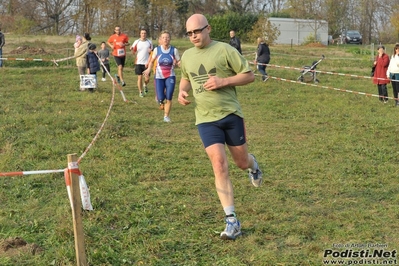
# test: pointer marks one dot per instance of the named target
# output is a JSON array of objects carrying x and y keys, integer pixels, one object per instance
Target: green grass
[{"x": 329, "y": 160}]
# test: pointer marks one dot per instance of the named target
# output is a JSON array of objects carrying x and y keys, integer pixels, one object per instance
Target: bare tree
[
  {"x": 266, "y": 6},
  {"x": 18, "y": 15},
  {"x": 374, "y": 19},
  {"x": 209, "y": 7},
  {"x": 311, "y": 10},
  {"x": 52, "y": 14},
  {"x": 237, "y": 6},
  {"x": 335, "y": 14}
]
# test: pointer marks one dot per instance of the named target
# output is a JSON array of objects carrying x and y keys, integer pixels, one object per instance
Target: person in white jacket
[{"x": 393, "y": 73}]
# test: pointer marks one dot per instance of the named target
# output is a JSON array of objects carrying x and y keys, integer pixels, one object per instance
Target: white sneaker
[
  {"x": 166, "y": 119},
  {"x": 232, "y": 230},
  {"x": 103, "y": 79}
]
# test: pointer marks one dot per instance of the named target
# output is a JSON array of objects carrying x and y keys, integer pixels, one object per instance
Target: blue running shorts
[{"x": 229, "y": 130}]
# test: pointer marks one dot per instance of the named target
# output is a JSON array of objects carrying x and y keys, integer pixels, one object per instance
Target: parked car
[{"x": 352, "y": 36}]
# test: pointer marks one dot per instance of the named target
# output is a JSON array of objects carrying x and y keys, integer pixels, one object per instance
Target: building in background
[{"x": 298, "y": 31}]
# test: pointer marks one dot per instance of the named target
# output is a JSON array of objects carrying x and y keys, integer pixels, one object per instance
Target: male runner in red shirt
[{"x": 118, "y": 41}]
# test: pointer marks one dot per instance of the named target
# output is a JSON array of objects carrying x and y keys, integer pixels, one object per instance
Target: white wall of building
[{"x": 296, "y": 31}]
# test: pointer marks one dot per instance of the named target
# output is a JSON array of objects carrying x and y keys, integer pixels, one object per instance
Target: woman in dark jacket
[
  {"x": 381, "y": 64},
  {"x": 262, "y": 57}
]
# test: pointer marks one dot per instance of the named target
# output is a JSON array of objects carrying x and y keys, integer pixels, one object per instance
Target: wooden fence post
[{"x": 73, "y": 171}]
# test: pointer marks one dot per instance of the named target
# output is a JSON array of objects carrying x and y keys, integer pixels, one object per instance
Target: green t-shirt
[{"x": 216, "y": 59}]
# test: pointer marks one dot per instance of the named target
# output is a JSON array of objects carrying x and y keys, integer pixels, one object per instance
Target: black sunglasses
[{"x": 197, "y": 31}]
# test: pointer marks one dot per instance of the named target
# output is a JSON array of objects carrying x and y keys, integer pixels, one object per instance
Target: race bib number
[{"x": 120, "y": 52}]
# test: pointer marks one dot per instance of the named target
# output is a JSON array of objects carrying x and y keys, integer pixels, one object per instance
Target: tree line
[{"x": 377, "y": 21}]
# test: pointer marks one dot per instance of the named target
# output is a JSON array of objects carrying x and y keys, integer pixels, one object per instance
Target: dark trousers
[
  {"x": 383, "y": 92},
  {"x": 395, "y": 87},
  {"x": 104, "y": 71},
  {"x": 262, "y": 70}
]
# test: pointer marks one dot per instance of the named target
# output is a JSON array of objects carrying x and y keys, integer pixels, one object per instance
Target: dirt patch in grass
[
  {"x": 28, "y": 50},
  {"x": 15, "y": 246}
]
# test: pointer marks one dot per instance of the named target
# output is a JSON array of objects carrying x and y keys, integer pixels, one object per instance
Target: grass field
[{"x": 329, "y": 159}]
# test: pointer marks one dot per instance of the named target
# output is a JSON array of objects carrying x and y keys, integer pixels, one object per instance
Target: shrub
[
  {"x": 240, "y": 23},
  {"x": 311, "y": 38},
  {"x": 263, "y": 28}
]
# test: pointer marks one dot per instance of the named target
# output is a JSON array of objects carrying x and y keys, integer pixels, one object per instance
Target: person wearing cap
[
  {"x": 92, "y": 63},
  {"x": 2, "y": 42},
  {"x": 380, "y": 77}
]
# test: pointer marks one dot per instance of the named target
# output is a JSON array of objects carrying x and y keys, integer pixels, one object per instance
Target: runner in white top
[{"x": 142, "y": 48}]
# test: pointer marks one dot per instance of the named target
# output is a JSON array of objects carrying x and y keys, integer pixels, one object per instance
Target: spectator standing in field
[
  {"x": 262, "y": 57},
  {"x": 87, "y": 37},
  {"x": 211, "y": 70},
  {"x": 380, "y": 73},
  {"x": 80, "y": 55},
  {"x": 234, "y": 41},
  {"x": 393, "y": 73},
  {"x": 118, "y": 42},
  {"x": 166, "y": 56},
  {"x": 92, "y": 62},
  {"x": 2, "y": 42},
  {"x": 142, "y": 48},
  {"x": 103, "y": 54}
]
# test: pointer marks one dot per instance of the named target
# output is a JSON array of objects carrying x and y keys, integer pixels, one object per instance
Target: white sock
[{"x": 229, "y": 210}]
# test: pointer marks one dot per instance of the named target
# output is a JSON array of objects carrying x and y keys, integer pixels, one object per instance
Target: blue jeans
[
  {"x": 382, "y": 92},
  {"x": 1, "y": 55},
  {"x": 262, "y": 70}
]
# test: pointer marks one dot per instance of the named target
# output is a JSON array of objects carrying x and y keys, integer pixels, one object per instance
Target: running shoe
[
  {"x": 141, "y": 95},
  {"x": 145, "y": 89},
  {"x": 123, "y": 84},
  {"x": 232, "y": 230},
  {"x": 255, "y": 177},
  {"x": 166, "y": 119},
  {"x": 103, "y": 79}
]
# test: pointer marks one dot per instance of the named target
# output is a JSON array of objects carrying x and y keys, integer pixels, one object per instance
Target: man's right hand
[{"x": 182, "y": 98}]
